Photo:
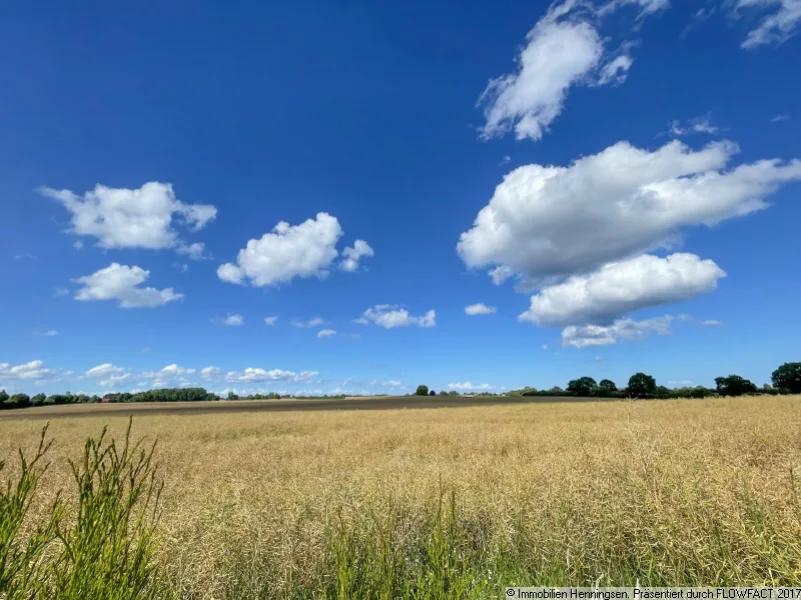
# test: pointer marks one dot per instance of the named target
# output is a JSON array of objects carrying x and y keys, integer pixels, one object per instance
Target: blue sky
[{"x": 615, "y": 181}]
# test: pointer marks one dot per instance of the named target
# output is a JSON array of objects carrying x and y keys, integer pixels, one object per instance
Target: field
[
  {"x": 457, "y": 502},
  {"x": 292, "y": 404}
]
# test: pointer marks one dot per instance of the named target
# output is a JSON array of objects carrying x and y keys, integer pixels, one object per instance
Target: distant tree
[
  {"x": 453, "y": 393},
  {"x": 556, "y": 390},
  {"x": 432, "y": 393},
  {"x": 3, "y": 397},
  {"x": 20, "y": 400},
  {"x": 422, "y": 390},
  {"x": 788, "y": 378},
  {"x": 608, "y": 385},
  {"x": 443, "y": 393},
  {"x": 232, "y": 396},
  {"x": 583, "y": 386},
  {"x": 641, "y": 386},
  {"x": 734, "y": 385},
  {"x": 662, "y": 392},
  {"x": 38, "y": 399}
]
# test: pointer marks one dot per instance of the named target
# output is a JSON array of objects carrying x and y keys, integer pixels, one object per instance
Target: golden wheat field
[{"x": 371, "y": 503}]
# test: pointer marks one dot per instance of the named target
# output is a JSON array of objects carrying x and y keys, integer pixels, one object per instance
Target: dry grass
[{"x": 350, "y": 504}]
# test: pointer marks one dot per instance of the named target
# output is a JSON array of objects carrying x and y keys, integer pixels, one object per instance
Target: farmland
[{"x": 456, "y": 502}]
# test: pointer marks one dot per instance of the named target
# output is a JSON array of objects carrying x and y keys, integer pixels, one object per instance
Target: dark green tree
[
  {"x": 20, "y": 400},
  {"x": 432, "y": 393},
  {"x": 583, "y": 386},
  {"x": 232, "y": 396},
  {"x": 788, "y": 378},
  {"x": 422, "y": 390},
  {"x": 641, "y": 386},
  {"x": 443, "y": 393},
  {"x": 608, "y": 385},
  {"x": 38, "y": 399},
  {"x": 734, "y": 385},
  {"x": 3, "y": 397}
]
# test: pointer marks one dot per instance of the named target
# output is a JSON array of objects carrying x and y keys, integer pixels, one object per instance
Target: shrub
[{"x": 106, "y": 550}]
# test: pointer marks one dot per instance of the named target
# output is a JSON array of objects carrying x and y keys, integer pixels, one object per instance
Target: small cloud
[
  {"x": 310, "y": 324},
  {"x": 505, "y": 160},
  {"x": 26, "y": 256},
  {"x": 61, "y": 292},
  {"x": 468, "y": 386},
  {"x": 711, "y": 323},
  {"x": 598, "y": 359},
  {"x": 692, "y": 126},
  {"x": 231, "y": 320},
  {"x": 479, "y": 309},
  {"x": 354, "y": 254},
  {"x": 680, "y": 383},
  {"x": 147, "y": 349},
  {"x": 48, "y": 333},
  {"x": 684, "y": 317},
  {"x": 78, "y": 244},
  {"x": 194, "y": 251},
  {"x": 779, "y": 118},
  {"x": 544, "y": 346},
  {"x": 389, "y": 316},
  {"x": 326, "y": 333},
  {"x": 270, "y": 320},
  {"x": 183, "y": 267}
]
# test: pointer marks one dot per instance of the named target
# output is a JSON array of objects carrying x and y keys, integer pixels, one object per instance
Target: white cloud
[
  {"x": 121, "y": 283},
  {"x": 680, "y": 383},
  {"x": 305, "y": 250},
  {"x": 564, "y": 49},
  {"x": 711, "y": 323},
  {"x": 310, "y": 324},
  {"x": 125, "y": 218},
  {"x": 622, "y": 287},
  {"x": 210, "y": 372},
  {"x": 194, "y": 251},
  {"x": 114, "y": 380},
  {"x": 646, "y": 7},
  {"x": 544, "y": 346},
  {"x": 231, "y": 320},
  {"x": 270, "y": 320},
  {"x": 547, "y": 221},
  {"x": 174, "y": 370},
  {"x": 775, "y": 28},
  {"x": 33, "y": 370},
  {"x": 616, "y": 70},
  {"x": 389, "y": 316},
  {"x": 690, "y": 126},
  {"x": 61, "y": 292},
  {"x": 353, "y": 254},
  {"x": 779, "y": 118},
  {"x": 326, "y": 333},
  {"x": 582, "y": 336},
  {"x": 26, "y": 255},
  {"x": 560, "y": 52},
  {"x": 104, "y": 371},
  {"x": 48, "y": 333},
  {"x": 252, "y": 374},
  {"x": 469, "y": 386},
  {"x": 479, "y": 309},
  {"x": 78, "y": 244}
]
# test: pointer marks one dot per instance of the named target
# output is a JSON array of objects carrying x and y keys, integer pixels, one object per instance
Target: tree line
[
  {"x": 785, "y": 380},
  {"x": 21, "y": 400}
]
